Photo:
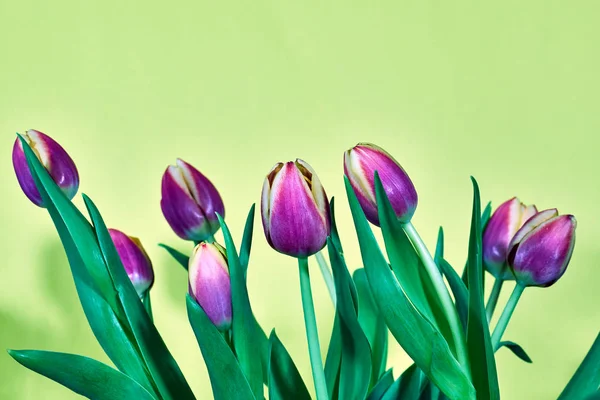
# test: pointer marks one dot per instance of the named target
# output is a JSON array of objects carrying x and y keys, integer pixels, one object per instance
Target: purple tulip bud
[
  {"x": 501, "y": 228},
  {"x": 360, "y": 164},
  {"x": 135, "y": 260},
  {"x": 295, "y": 209},
  {"x": 189, "y": 202},
  {"x": 210, "y": 284},
  {"x": 541, "y": 250},
  {"x": 53, "y": 157}
]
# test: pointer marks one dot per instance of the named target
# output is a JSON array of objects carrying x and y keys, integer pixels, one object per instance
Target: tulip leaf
[
  {"x": 92, "y": 281},
  {"x": 439, "y": 247},
  {"x": 384, "y": 383},
  {"x": 481, "y": 353},
  {"x": 419, "y": 338},
  {"x": 160, "y": 362},
  {"x": 373, "y": 324},
  {"x": 148, "y": 304},
  {"x": 333, "y": 359},
  {"x": 485, "y": 217},
  {"x": 83, "y": 375},
  {"x": 355, "y": 367},
  {"x": 516, "y": 349},
  {"x": 285, "y": 381},
  {"x": 406, "y": 387},
  {"x": 181, "y": 258},
  {"x": 247, "y": 240},
  {"x": 459, "y": 290},
  {"x": 226, "y": 377},
  {"x": 244, "y": 326},
  {"x": 408, "y": 267},
  {"x": 586, "y": 380}
]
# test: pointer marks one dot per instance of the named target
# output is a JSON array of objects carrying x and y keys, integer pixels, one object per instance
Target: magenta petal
[
  {"x": 499, "y": 231},
  {"x": 543, "y": 255},
  {"x": 210, "y": 284},
  {"x": 295, "y": 225},
  {"x": 135, "y": 260},
  {"x": 53, "y": 157}
]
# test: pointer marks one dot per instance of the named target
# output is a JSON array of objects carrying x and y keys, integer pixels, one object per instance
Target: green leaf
[
  {"x": 285, "y": 381},
  {"x": 373, "y": 324},
  {"x": 485, "y": 217},
  {"x": 355, "y": 367},
  {"x": 419, "y": 338},
  {"x": 439, "y": 247},
  {"x": 516, "y": 349},
  {"x": 244, "y": 324},
  {"x": 406, "y": 387},
  {"x": 586, "y": 380},
  {"x": 148, "y": 304},
  {"x": 459, "y": 290},
  {"x": 408, "y": 267},
  {"x": 87, "y": 267},
  {"x": 387, "y": 379},
  {"x": 161, "y": 364},
  {"x": 181, "y": 258},
  {"x": 84, "y": 376},
  {"x": 247, "y": 240},
  {"x": 333, "y": 360},
  {"x": 226, "y": 377},
  {"x": 481, "y": 353}
]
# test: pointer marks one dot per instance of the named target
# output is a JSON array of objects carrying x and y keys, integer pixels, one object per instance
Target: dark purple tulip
[
  {"x": 189, "y": 202},
  {"x": 541, "y": 250},
  {"x": 135, "y": 260},
  {"x": 504, "y": 223},
  {"x": 209, "y": 283},
  {"x": 53, "y": 157},
  {"x": 295, "y": 209},
  {"x": 360, "y": 164}
]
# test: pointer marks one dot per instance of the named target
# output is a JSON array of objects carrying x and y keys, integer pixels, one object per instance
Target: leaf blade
[{"x": 285, "y": 381}]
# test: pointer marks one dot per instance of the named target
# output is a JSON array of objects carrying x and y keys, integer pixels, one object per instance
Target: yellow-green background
[{"x": 507, "y": 91}]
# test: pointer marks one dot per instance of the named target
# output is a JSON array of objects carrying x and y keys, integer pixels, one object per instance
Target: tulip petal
[
  {"x": 135, "y": 260},
  {"x": 543, "y": 255},
  {"x": 296, "y": 226},
  {"x": 531, "y": 224}
]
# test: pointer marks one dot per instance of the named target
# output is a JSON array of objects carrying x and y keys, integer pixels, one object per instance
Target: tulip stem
[
  {"x": 327, "y": 276},
  {"x": 442, "y": 290},
  {"x": 312, "y": 335},
  {"x": 493, "y": 299},
  {"x": 506, "y": 314}
]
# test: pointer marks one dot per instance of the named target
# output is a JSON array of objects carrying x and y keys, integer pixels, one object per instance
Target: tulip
[
  {"x": 135, "y": 260},
  {"x": 541, "y": 250},
  {"x": 360, "y": 164},
  {"x": 295, "y": 209},
  {"x": 502, "y": 226},
  {"x": 189, "y": 202},
  {"x": 53, "y": 157},
  {"x": 209, "y": 283}
]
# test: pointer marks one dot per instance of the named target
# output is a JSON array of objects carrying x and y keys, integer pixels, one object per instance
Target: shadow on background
[{"x": 58, "y": 325}]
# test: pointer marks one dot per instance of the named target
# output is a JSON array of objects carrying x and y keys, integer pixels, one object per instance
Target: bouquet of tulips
[{"x": 437, "y": 316}]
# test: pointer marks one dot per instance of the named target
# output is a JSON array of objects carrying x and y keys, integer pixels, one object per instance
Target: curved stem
[
  {"x": 442, "y": 290},
  {"x": 327, "y": 276},
  {"x": 506, "y": 314},
  {"x": 493, "y": 299},
  {"x": 312, "y": 335}
]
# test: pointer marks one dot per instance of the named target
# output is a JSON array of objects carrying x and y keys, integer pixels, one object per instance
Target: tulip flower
[
  {"x": 541, "y": 250},
  {"x": 295, "y": 209},
  {"x": 135, "y": 260},
  {"x": 189, "y": 202},
  {"x": 209, "y": 283},
  {"x": 53, "y": 157},
  {"x": 502, "y": 226},
  {"x": 360, "y": 164}
]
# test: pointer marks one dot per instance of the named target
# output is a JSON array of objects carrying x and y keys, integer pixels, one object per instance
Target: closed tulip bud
[
  {"x": 53, "y": 157},
  {"x": 136, "y": 262},
  {"x": 295, "y": 209},
  {"x": 189, "y": 202},
  {"x": 209, "y": 283},
  {"x": 360, "y": 164},
  {"x": 501, "y": 228},
  {"x": 541, "y": 250}
]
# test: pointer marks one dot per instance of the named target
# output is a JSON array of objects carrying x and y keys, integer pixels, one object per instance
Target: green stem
[
  {"x": 506, "y": 314},
  {"x": 493, "y": 299},
  {"x": 442, "y": 290},
  {"x": 312, "y": 335},
  {"x": 327, "y": 276}
]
